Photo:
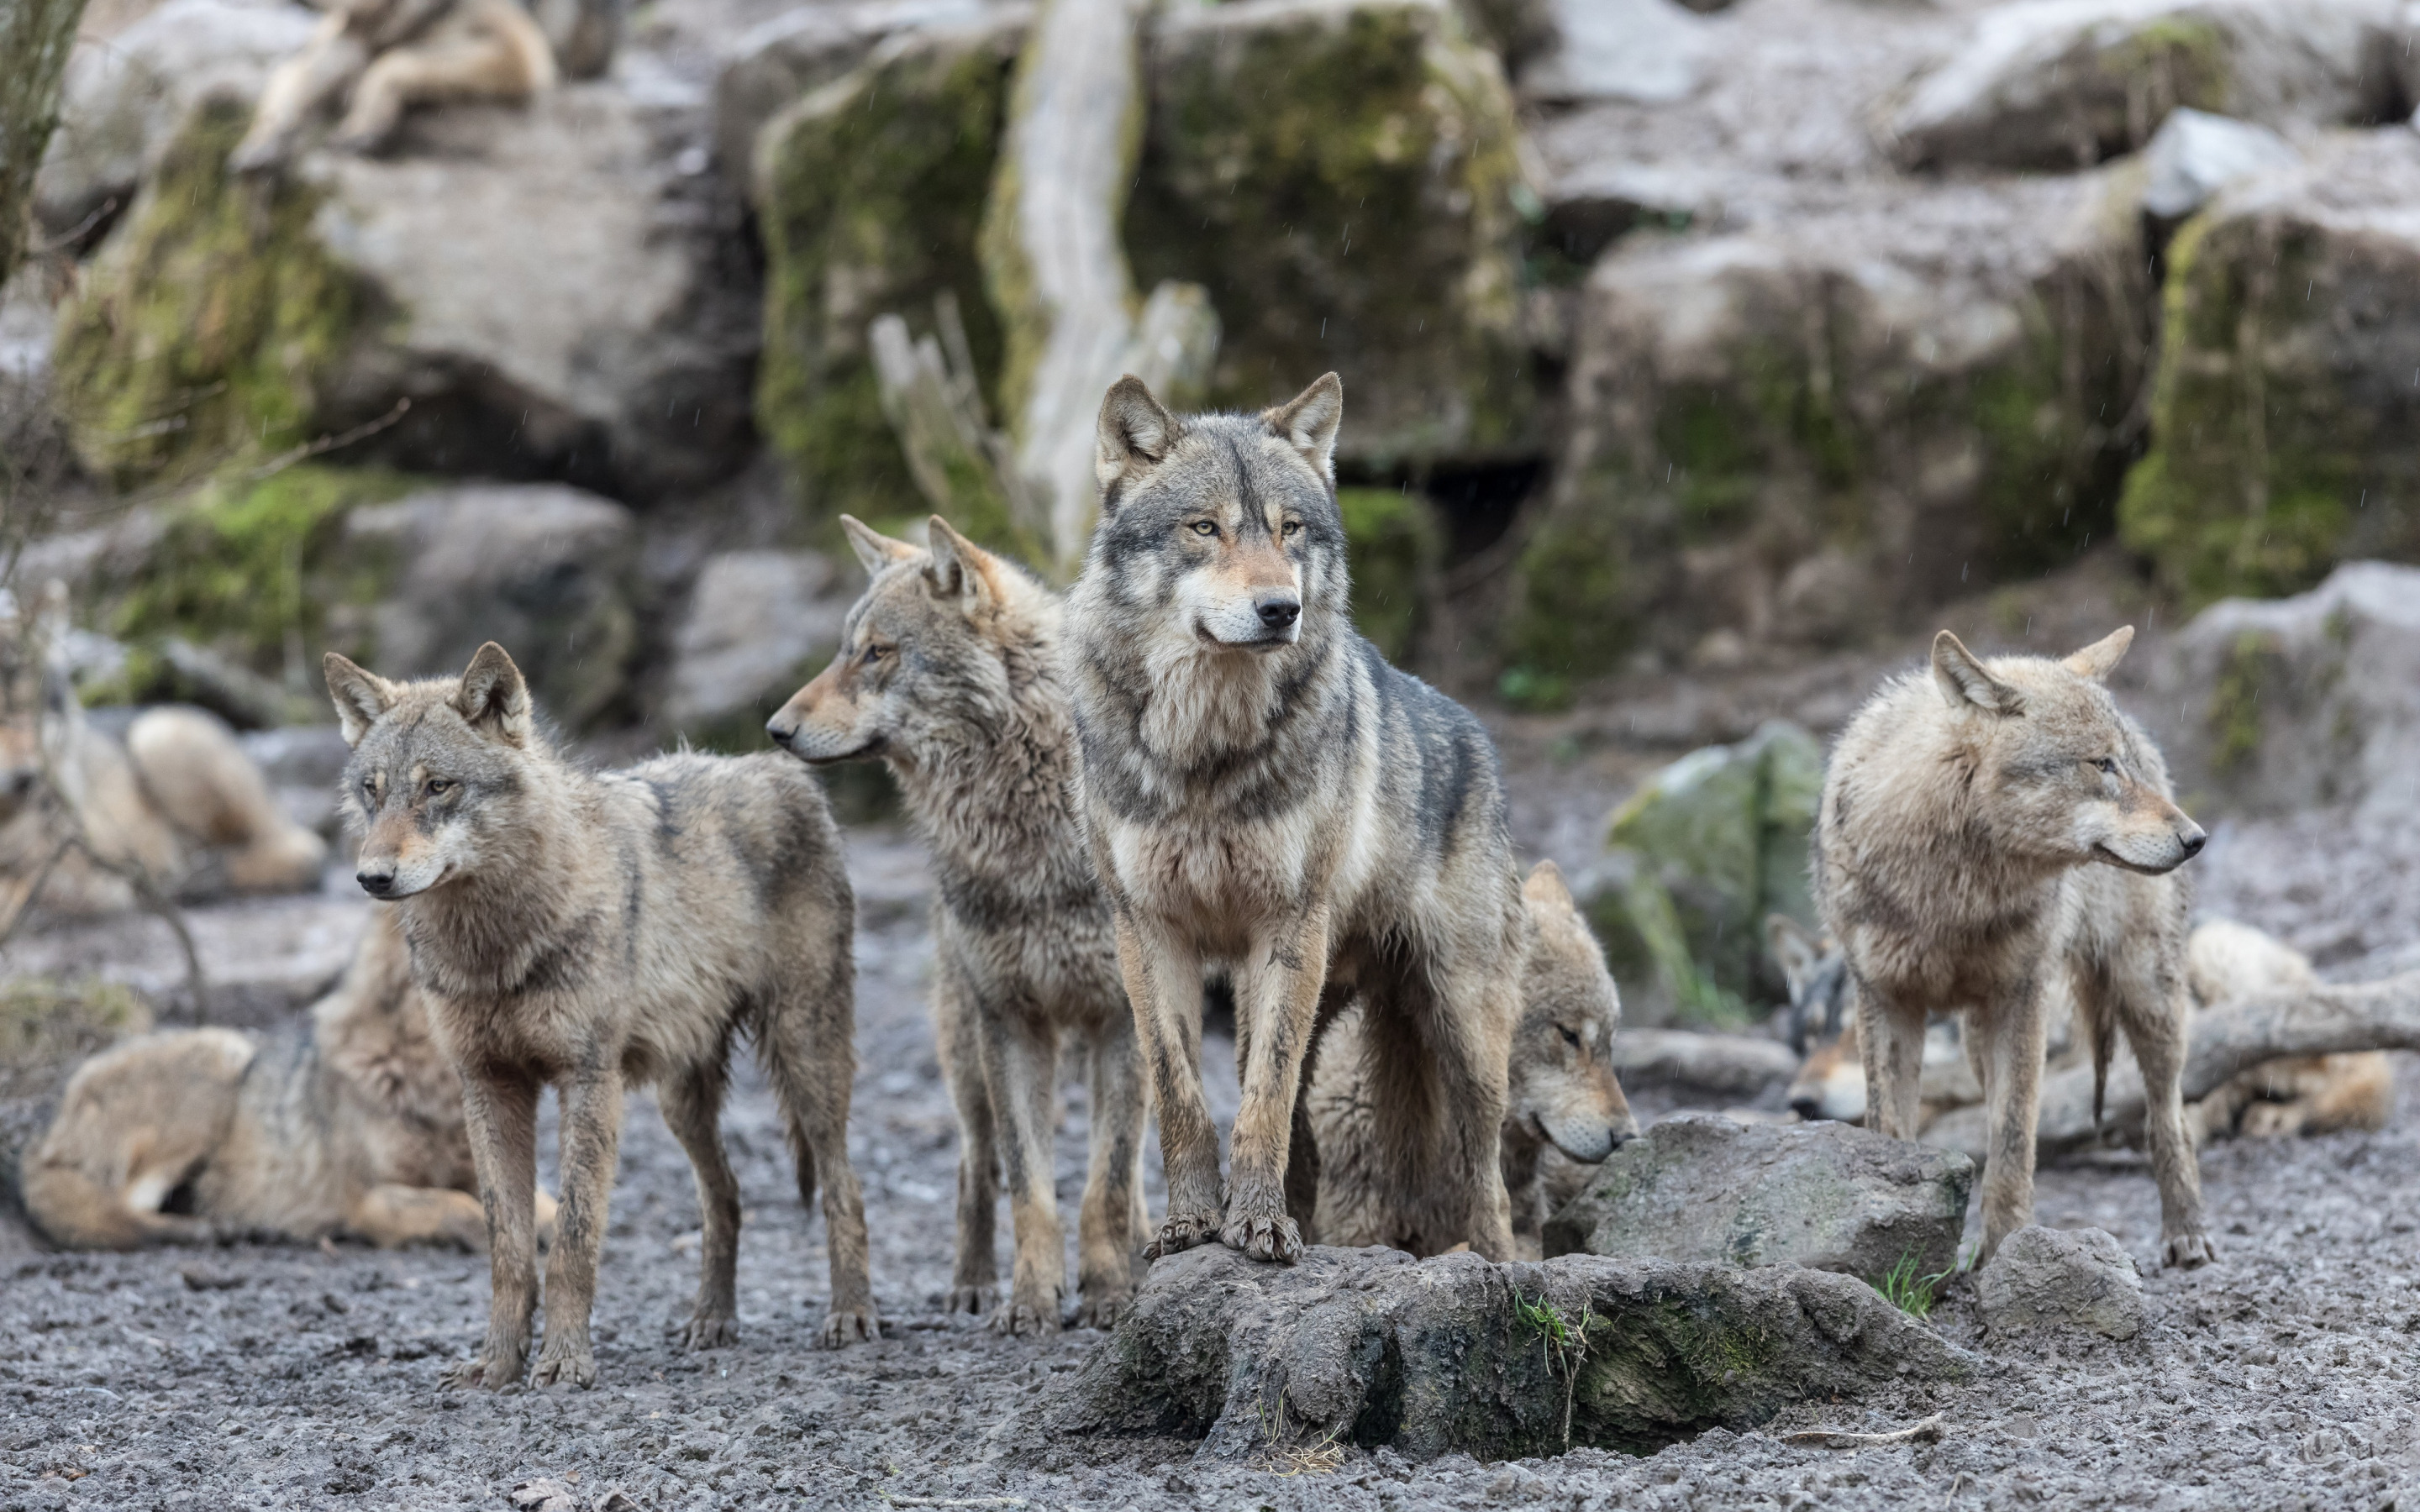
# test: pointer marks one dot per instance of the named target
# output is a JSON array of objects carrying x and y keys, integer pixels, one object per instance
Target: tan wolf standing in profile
[
  {"x": 1263, "y": 793},
  {"x": 393, "y": 54},
  {"x": 948, "y": 672},
  {"x": 349, "y": 1123},
  {"x": 596, "y": 933},
  {"x": 1982, "y": 828},
  {"x": 178, "y": 799},
  {"x": 1561, "y": 1092}
]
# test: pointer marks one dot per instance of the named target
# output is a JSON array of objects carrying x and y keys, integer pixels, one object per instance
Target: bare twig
[
  {"x": 328, "y": 443},
  {"x": 1928, "y": 1431}
]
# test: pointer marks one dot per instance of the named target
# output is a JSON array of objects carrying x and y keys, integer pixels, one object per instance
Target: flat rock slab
[
  {"x": 1458, "y": 1353},
  {"x": 2061, "y": 1278},
  {"x": 1827, "y": 1195}
]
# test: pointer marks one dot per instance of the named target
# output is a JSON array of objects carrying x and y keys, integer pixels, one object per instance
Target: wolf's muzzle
[
  {"x": 1277, "y": 611},
  {"x": 782, "y": 732},
  {"x": 377, "y": 883}
]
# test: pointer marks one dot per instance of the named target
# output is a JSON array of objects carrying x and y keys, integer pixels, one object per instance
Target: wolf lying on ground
[
  {"x": 1263, "y": 793},
  {"x": 948, "y": 672},
  {"x": 349, "y": 1123},
  {"x": 178, "y": 799},
  {"x": 2225, "y": 962},
  {"x": 1983, "y": 829},
  {"x": 598, "y": 932},
  {"x": 1561, "y": 1092},
  {"x": 393, "y": 54}
]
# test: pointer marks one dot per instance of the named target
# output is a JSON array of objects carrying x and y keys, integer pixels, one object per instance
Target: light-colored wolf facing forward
[{"x": 1262, "y": 792}]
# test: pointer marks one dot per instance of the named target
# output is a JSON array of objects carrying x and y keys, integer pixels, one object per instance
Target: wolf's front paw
[
  {"x": 565, "y": 1364},
  {"x": 850, "y": 1325},
  {"x": 496, "y": 1369},
  {"x": 706, "y": 1331},
  {"x": 1265, "y": 1239},
  {"x": 1102, "y": 1307},
  {"x": 978, "y": 1299},
  {"x": 1181, "y": 1232},
  {"x": 1028, "y": 1316},
  {"x": 2185, "y": 1251}
]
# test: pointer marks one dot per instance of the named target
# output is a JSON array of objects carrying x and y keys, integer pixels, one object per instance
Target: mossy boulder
[
  {"x": 870, "y": 192},
  {"x": 1371, "y": 1348},
  {"x": 527, "y": 278},
  {"x": 2058, "y": 84},
  {"x": 1394, "y": 545},
  {"x": 2285, "y": 421},
  {"x": 1341, "y": 176},
  {"x": 1806, "y": 434}
]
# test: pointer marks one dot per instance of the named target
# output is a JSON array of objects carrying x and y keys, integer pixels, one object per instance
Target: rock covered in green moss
[
  {"x": 1804, "y": 433},
  {"x": 527, "y": 278},
  {"x": 2285, "y": 421},
  {"x": 1394, "y": 545},
  {"x": 1371, "y": 1348},
  {"x": 2062, "y": 84},
  {"x": 871, "y": 193},
  {"x": 1341, "y": 176},
  {"x": 1831, "y": 1196}
]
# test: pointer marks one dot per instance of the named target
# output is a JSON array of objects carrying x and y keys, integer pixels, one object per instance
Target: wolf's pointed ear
[
  {"x": 1794, "y": 948},
  {"x": 2098, "y": 659},
  {"x": 875, "y": 550},
  {"x": 360, "y": 697},
  {"x": 1132, "y": 435},
  {"x": 493, "y": 697},
  {"x": 1963, "y": 680},
  {"x": 1544, "y": 888},
  {"x": 1308, "y": 423},
  {"x": 960, "y": 569}
]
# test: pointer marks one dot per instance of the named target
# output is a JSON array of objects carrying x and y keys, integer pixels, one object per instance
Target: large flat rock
[{"x": 1455, "y": 1353}]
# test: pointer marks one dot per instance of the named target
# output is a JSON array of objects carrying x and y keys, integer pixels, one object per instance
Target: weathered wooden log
[
  {"x": 964, "y": 468},
  {"x": 1725, "y": 1065}
]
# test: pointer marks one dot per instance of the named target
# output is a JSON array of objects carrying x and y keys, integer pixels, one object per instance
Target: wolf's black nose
[
  {"x": 780, "y": 733},
  {"x": 1277, "y": 610},
  {"x": 376, "y": 884},
  {"x": 1808, "y": 1108},
  {"x": 2194, "y": 843}
]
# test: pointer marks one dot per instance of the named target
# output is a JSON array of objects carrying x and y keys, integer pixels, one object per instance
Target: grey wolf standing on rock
[
  {"x": 393, "y": 54},
  {"x": 178, "y": 799},
  {"x": 948, "y": 672},
  {"x": 1560, "y": 1091},
  {"x": 594, "y": 933},
  {"x": 1983, "y": 829},
  {"x": 1263, "y": 793},
  {"x": 350, "y": 1123}
]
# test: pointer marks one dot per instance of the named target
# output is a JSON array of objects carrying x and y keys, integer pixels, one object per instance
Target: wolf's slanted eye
[
  {"x": 2108, "y": 766},
  {"x": 1571, "y": 1035},
  {"x": 436, "y": 787},
  {"x": 1291, "y": 529},
  {"x": 1204, "y": 527},
  {"x": 874, "y": 653}
]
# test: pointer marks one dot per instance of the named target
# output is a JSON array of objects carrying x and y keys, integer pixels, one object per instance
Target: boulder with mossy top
[
  {"x": 2065, "y": 84},
  {"x": 1394, "y": 545},
  {"x": 871, "y": 193},
  {"x": 1341, "y": 176},
  {"x": 1811, "y": 432},
  {"x": 2276, "y": 706},
  {"x": 1372, "y": 1348},
  {"x": 2285, "y": 421},
  {"x": 513, "y": 292},
  {"x": 1701, "y": 1188}
]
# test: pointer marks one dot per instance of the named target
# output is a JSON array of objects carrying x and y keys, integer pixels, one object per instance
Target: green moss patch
[
  {"x": 1394, "y": 544},
  {"x": 204, "y": 332}
]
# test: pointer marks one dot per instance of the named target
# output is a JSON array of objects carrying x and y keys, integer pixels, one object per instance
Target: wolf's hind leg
[
  {"x": 973, "y": 1280},
  {"x": 1109, "y": 1230},
  {"x": 1470, "y": 1041},
  {"x": 2151, "y": 1008},
  {"x": 692, "y": 1106},
  {"x": 391, "y": 1216},
  {"x": 1021, "y": 1061},
  {"x": 808, "y": 1052}
]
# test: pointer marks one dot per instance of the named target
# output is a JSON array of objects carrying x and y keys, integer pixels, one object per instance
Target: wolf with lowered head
[
  {"x": 1264, "y": 795},
  {"x": 1985, "y": 829},
  {"x": 948, "y": 672},
  {"x": 596, "y": 932}
]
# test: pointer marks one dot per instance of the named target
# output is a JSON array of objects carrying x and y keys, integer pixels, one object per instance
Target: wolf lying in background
[
  {"x": 2225, "y": 962},
  {"x": 392, "y": 55},
  {"x": 948, "y": 673},
  {"x": 348, "y": 1124},
  {"x": 1984, "y": 829},
  {"x": 178, "y": 799},
  {"x": 1561, "y": 1092},
  {"x": 593, "y": 933},
  {"x": 1264, "y": 794}
]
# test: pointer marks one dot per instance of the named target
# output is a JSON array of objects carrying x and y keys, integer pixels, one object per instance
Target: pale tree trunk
[
  {"x": 1057, "y": 270},
  {"x": 34, "y": 39}
]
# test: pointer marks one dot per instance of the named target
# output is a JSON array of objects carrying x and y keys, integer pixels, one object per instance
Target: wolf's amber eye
[
  {"x": 2108, "y": 765},
  {"x": 1292, "y": 528},
  {"x": 1204, "y": 527},
  {"x": 872, "y": 653},
  {"x": 436, "y": 787}
]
